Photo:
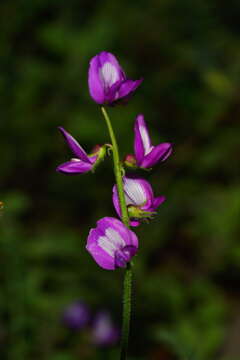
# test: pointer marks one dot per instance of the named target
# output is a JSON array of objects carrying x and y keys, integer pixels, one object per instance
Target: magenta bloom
[
  {"x": 139, "y": 198},
  {"x": 104, "y": 332},
  {"x": 82, "y": 162},
  {"x": 146, "y": 154},
  {"x": 107, "y": 81},
  {"x": 111, "y": 243},
  {"x": 76, "y": 315}
]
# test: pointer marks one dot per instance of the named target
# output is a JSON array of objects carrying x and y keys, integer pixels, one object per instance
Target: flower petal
[
  {"x": 101, "y": 257},
  {"x": 138, "y": 191},
  {"x": 110, "y": 71},
  {"x": 74, "y": 167},
  {"x": 95, "y": 84},
  {"x": 93, "y": 159},
  {"x": 74, "y": 145},
  {"x": 127, "y": 88},
  {"x": 122, "y": 257},
  {"x": 116, "y": 201},
  {"x": 118, "y": 209},
  {"x": 158, "y": 153},
  {"x": 138, "y": 141},
  {"x": 127, "y": 235},
  {"x": 110, "y": 93},
  {"x": 158, "y": 201},
  {"x": 134, "y": 223}
]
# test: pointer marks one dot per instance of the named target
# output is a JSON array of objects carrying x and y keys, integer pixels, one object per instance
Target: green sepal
[
  {"x": 100, "y": 151},
  {"x": 137, "y": 213}
]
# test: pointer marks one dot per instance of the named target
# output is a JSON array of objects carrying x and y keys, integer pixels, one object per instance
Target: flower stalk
[
  {"x": 117, "y": 168},
  {"x": 127, "y": 294},
  {"x": 127, "y": 287}
]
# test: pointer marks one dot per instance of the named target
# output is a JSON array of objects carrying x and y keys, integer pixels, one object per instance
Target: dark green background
[{"x": 187, "y": 272}]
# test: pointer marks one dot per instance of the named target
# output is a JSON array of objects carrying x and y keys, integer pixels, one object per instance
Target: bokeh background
[{"x": 187, "y": 273}]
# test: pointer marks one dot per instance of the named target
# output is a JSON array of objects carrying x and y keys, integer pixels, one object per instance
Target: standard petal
[
  {"x": 110, "y": 70},
  {"x": 116, "y": 204},
  {"x": 146, "y": 187},
  {"x": 138, "y": 192},
  {"x": 74, "y": 167},
  {"x": 127, "y": 88},
  {"x": 158, "y": 153},
  {"x": 112, "y": 223},
  {"x": 74, "y": 145},
  {"x": 101, "y": 256},
  {"x": 144, "y": 134},
  {"x": 138, "y": 142},
  {"x": 95, "y": 83}
]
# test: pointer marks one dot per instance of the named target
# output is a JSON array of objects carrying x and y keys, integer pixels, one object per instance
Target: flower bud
[{"x": 130, "y": 161}]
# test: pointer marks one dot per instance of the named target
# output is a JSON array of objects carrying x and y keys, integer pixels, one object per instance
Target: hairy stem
[
  {"x": 127, "y": 286},
  {"x": 127, "y": 292}
]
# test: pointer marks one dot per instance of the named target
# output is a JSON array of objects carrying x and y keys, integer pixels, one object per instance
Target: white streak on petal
[
  {"x": 111, "y": 242},
  {"x": 106, "y": 245},
  {"x": 135, "y": 193},
  {"x": 145, "y": 139},
  {"x": 115, "y": 238},
  {"x": 109, "y": 74}
]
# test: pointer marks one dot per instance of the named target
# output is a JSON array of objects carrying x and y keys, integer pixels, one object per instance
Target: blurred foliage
[{"x": 187, "y": 272}]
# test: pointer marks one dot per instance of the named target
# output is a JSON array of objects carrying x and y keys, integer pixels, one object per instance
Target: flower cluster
[{"x": 112, "y": 244}]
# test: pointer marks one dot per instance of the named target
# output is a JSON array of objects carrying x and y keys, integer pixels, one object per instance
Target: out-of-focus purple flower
[
  {"x": 82, "y": 162},
  {"x": 104, "y": 332},
  {"x": 76, "y": 315},
  {"x": 111, "y": 243},
  {"x": 107, "y": 81},
  {"x": 147, "y": 155},
  {"x": 139, "y": 198}
]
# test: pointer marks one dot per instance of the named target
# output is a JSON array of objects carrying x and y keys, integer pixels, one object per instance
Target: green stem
[
  {"x": 117, "y": 169},
  {"x": 127, "y": 291},
  {"x": 127, "y": 287}
]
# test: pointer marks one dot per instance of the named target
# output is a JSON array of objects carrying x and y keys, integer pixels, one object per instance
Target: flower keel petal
[{"x": 74, "y": 167}]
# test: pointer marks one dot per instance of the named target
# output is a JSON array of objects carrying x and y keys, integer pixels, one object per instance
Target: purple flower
[
  {"x": 104, "y": 332},
  {"x": 139, "y": 198},
  {"x": 82, "y": 162},
  {"x": 146, "y": 154},
  {"x": 111, "y": 243},
  {"x": 76, "y": 316},
  {"x": 107, "y": 81}
]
